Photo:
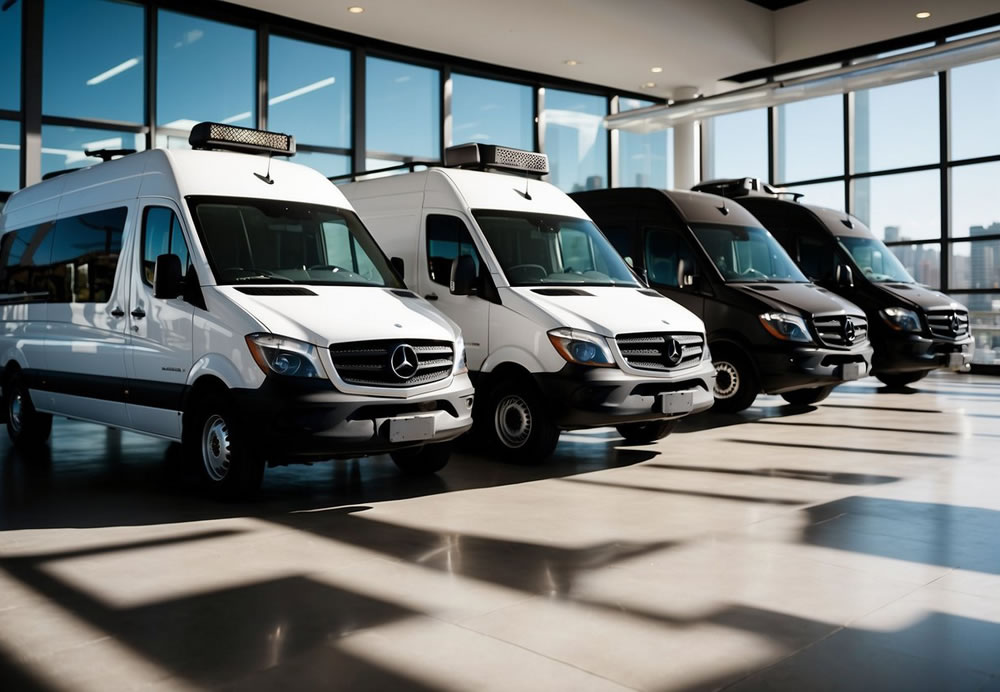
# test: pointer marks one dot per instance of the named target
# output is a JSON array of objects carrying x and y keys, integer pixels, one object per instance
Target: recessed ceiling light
[
  {"x": 657, "y": 70},
  {"x": 648, "y": 85},
  {"x": 354, "y": 9},
  {"x": 571, "y": 63},
  {"x": 923, "y": 15}
]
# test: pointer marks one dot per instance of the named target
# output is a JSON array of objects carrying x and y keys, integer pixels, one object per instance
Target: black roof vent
[{"x": 481, "y": 157}]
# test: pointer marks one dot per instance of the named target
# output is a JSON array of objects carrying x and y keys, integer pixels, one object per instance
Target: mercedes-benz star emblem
[
  {"x": 672, "y": 350},
  {"x": 849, "y": 332},
  {"x": 403, "y": 361},
  {"x": 954, "y": 324}
]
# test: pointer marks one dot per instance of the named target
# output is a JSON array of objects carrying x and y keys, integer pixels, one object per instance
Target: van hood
[
  {"x": 799, "y": 298},
  {"x": 921, "y": 297},
  {"x": 338, "y": 314},
  {"x": 610, "y": 310}
]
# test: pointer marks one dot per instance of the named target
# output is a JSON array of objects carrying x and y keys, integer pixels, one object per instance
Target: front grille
[
  {"x": 949, "y": 324},
  {"x": 370, "y": 363},
  {"x": 660, "y": 351},
  {"x": 834, "y": 331}
]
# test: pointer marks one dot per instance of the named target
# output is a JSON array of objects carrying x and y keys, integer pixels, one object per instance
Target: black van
[
  {"x": 769, "y": 329},
  {"x": 913, "y": 329}
]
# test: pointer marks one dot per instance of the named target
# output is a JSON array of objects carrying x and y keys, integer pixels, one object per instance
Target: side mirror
[
  {"x": 167, "y": 277},
  {"x": 629, "y": 262},
  {"x": 398, "y": 265},
  {"x": 463, "y": 275},
  {"x": 685, "y": 279},
  {"x": 845, "y": 277}
]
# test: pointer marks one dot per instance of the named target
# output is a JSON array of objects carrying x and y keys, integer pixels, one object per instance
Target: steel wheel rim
[
  {"x": 513, "y": 421},
  {"x": 216, "y": 447},
  {"x": 15, "y": 410},
  {"x": 731, "y": 375}
]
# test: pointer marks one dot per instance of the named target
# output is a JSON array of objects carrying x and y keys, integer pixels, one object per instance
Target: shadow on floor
[
  {"x": 837, "y": 448},
  {"x": 793, "y": 474}
]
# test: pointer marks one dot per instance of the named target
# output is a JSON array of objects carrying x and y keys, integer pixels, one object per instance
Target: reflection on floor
[{"x": 853, "y": 545}]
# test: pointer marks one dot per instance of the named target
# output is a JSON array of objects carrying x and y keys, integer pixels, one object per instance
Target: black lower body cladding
[
  {"x": 787, "y": 366},
  {"x": 914, "y": 352}
]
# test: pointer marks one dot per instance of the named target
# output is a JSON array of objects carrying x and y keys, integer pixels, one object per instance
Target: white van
[
  {"x": 226, "y": 301},
  {"x": 559, "y": 332}
]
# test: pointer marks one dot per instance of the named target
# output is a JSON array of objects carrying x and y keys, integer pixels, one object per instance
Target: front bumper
[
  {"x": 582, "y": 397},
  {"x": 914, "y": 352},
  {"x": 291, "y": 419},
  {"x": 787, "y": 367}
]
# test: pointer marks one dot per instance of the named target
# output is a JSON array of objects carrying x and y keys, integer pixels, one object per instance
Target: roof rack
[
  {"x": 208, "y": 135},
  {"x": 744, "y": 187},
  {"x": 107, "y": 154}
]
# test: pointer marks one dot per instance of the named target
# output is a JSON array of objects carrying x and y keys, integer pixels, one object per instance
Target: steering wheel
[
  {"x": 750, "y": 271},
  {"x": 529, "y": 269}
]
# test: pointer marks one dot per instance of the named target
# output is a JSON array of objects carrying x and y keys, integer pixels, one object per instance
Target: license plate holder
[
  {"x": 852, "y": 371},
  {"x": 676, "y": 403},
  {"x": 956, "y": 361},
  {"x": 411, "y": 428}
]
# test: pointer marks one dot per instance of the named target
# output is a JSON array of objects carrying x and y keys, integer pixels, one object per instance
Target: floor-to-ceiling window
[
  {"x": 491, "y": 111},
  {"x": 644, "y": 160},
  {"x": 10, "y": 100},
  {"x": 576, "y": 140}
]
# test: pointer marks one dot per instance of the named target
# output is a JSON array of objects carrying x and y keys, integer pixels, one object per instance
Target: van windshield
[
  {"x": 266, "y": 241},
  {"x": 875, "y": 260},
  {"x": 746, "y": 253},
  {"x": 545, "y": 250}
]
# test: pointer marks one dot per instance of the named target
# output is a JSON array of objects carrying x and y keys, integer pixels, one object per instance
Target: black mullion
[
  {"x": 320, "y": 149},
  {"x": 32, "y": 20},
  {"x": 150, "y": 67},
  {"x": 945, "y": 176},
  {"x": 98, "y": 123},
  {"x": 848, "y": 105},
  {"x": 263, "y": 38},
  {"x": 772, "y": 143},
  {"x": 358, "y": 89}
]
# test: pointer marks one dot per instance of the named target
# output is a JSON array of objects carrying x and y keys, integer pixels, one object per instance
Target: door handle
[
  {"x": 138, "y": 313},
  {"x": 431, "y": 296},
  {"x": 117, "y": 312}
]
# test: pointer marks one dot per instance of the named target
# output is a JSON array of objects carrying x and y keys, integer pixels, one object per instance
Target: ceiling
[{"x": 616, "y": 44}]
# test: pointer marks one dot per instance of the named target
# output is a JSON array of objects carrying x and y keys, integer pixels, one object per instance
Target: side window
[
  {"x": 817, "y": 259},
  {"x": 24, "y": 264},
  {"x": 447, "y": 238},
  {"x": 577, "y": 255},
  {"x": 85, "y": 252},
  {"x": 161, "y": 235},
  {"x": 343, "y": 251},
  {"x": 664, "y": 250}
]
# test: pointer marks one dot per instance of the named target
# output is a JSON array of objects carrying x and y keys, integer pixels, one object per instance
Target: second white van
[{"x": 559, "y": 332}]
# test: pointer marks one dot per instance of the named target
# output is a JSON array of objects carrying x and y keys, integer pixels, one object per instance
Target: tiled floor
[{"x": 854, "y": 546}]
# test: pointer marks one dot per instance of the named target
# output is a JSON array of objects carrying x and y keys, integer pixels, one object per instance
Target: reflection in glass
[
  {"x": 309, "y": 92},
  {"x": 810, "y": 139},
  {"x": 575, "y": 140},
  {"x": 486, "y": 110},
  {"x": 975, "y": 103},
  {"x": 10, "y": 58},
  {"x": 984, "y": 318},
  {"x": 975, "y": 199},
  {"x": 737, "y": 145},
  {"x": 327, "y": 164},
  {"x": 10, "y": 156},
  {"x": 976, "y": 264},
  {"x": 746, "y": 254},
  {"x": 896, "y": 126},
  {"x": 93, "y": 60},
  {"x": 644, "y": 160},
  {"x": 882, "y": 265},
  {"x": 900, "y": 207},
  {"x": 205, "y": 71},
  {"x": 63, "y": 147},
  {"x": 829, "y": 195},
  {"x": 403, "y": 110}
]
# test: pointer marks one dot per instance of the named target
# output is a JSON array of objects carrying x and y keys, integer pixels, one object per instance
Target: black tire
[
  {"x": 26, "y": 426},
  {"x": 515, "y": 425},
  {"x": 645, "y": 433},
  {"x": 217, "y": 445},
  {"x": 898, "y": 380},
  {"x": 735, "y": 380},
  {"x": 804, "y": 397},
  {"x": 424, "y": 460}
]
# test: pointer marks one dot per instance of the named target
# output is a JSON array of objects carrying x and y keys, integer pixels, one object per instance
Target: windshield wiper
[{"x": 265, "y": 277}]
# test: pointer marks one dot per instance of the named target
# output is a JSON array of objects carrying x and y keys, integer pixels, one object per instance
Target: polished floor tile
[{"x": 850, "y": 545}]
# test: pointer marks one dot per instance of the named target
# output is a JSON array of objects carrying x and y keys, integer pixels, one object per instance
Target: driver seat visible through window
[{"x": 447, "y": 238}]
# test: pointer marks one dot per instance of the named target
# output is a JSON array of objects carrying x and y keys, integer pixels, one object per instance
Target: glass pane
[
  {"x": 975, "y": 199},
  {"x": 63, "y": 147},
  {"x": 923, "y": 262},
  {"x": 403, "y": 109},
  {"x": 896, "y": 126},
  {"x": 10, "y": 156},
  {"x": 10, "y": 58},
  {"x": 976, "y": 264},
  {"x": 93, "y": 60},
  {"x": 900, "y": 207},
  {"x": 823, "y": 194},
  {"x": 485, "y": 110},
  {"x": 205, "y": 71},
  {"x": 575, "y": 140},
  {"x": 810, "y": 139},
  {"x": 644, "y": 160},
  {"x": 984, "y": 318},
  {"x": 737, "y": 145},
  {"x": 309, "y": 92},
  {"x": 327, "y": 164},
  {"x": 85, "y": 255},
  {"x": 975, "y": 101}
]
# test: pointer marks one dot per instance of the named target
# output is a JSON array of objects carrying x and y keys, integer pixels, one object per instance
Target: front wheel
[
  {"x": 735, "y": 382},
  {"x": 216, "y": 442},
  {"x": 645, "y": 433},
  {"x": 804, "y": 397},
  {"x": 25, "y": 425},
  {"x": 423, "y": 460},
  {"x": 515, "y": 424},
  {"x": 898, "y": 380}
]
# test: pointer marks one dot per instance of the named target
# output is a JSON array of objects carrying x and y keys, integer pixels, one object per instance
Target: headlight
[
  {"x": 901, "y": 319},
  {"x": 284, "y": 356},
  {"x": 785, "y": 327},
  {"x": 460, "y": 364},
  {"x": 582, "y": 348},
  {"x": 705, "y": 353}
]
